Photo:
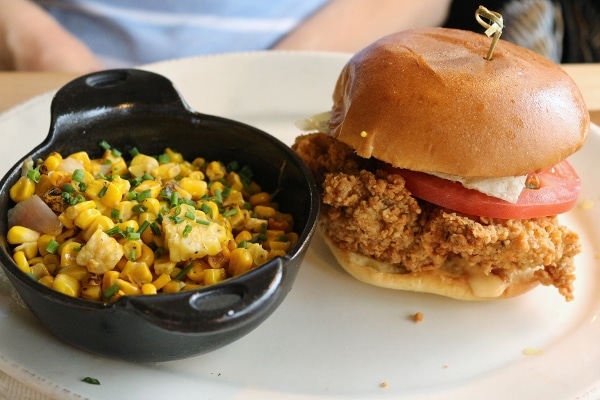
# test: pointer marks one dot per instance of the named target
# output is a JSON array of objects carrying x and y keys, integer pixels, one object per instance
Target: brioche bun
[
  {"x": 449, "y": 280},
  {"x": 428, "y": 100}
]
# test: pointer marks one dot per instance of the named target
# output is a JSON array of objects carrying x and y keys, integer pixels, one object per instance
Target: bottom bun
[{"x": 451, "y": 280}]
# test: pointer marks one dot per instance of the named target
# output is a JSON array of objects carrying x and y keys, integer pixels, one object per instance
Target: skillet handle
[
  {"x": 113, "y": 89},
  {"x": 228, "y": 306}
]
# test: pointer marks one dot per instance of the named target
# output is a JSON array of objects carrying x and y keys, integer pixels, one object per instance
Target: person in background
[{"x": 87, "y": 35}]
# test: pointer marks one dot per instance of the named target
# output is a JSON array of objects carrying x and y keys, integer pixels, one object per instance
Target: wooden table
[{"x": 17, "y": 87}]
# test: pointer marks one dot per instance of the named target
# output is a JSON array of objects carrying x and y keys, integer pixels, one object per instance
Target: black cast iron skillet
[{"x": 133, "y": 108}]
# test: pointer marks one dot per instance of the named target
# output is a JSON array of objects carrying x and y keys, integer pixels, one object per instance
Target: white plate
[{"x": 333, "y": 337}]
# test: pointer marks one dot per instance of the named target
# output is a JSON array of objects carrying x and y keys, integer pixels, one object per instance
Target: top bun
[{"x": 428, "y": 100}]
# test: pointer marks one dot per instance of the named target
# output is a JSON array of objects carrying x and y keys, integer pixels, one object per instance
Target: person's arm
[
  {"x": 349, "y": 25},
  {"x": 32, "y": 40}
]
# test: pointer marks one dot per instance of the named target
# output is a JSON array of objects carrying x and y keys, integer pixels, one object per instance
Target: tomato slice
[{"x": 557, "y": 193}]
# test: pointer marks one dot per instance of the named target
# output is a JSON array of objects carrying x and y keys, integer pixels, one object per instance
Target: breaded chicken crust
[{"x": 369, "y": 211}]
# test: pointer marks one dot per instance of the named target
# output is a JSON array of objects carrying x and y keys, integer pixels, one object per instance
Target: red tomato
[{"x": 558, "y": 192}]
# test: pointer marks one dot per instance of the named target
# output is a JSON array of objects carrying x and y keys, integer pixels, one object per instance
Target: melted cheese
[{"x": 505, "y": 188}]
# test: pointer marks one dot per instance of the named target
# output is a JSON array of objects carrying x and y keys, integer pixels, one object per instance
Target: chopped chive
[
  {"x": 176, "y": 219},
  {"x": 115, "y": 214},
  {"x": 202, "y": 221},
  {"x": 104, "y": 145},
  {"x": 78, "y": 175},
  {"x": 52, "y": 246},
  {"x": 90, "y": 380},
  {"x": 139, "y": 208},
  {"x": 134, "y": 152},
  {"x": 115, "y": 153},
  {"x": 184, "y": 272},
  {"x": 102, "y": 191},
  {"x": 187, "y": 230},
  {"x": 189, "y": 214},
  {"x": 174, "y": 199},
  {"x": 68, "y": 188},
  {"x": 206, "y": 209},
  {"x": 133, "y": 235},
  {"x": 111, "y": 291},
  {"x": 143, "y": 195},
  {"x": 155, "y": 229},
  {"x": 218, "y": 196},
  {"x": 143, "y": 227},
  {"x": 34, "y": 174},
  {"x": 131, "y": 195},
  {"x": 164, "y": 158},
  {"x": 230, "y": 212},
  {"x": 243, "y": 244},
  {"x": 113, "y": 231}
]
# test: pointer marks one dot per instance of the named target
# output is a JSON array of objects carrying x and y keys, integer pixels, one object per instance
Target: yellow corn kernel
[
  {"x": 235, "y": 182},
  {"x": 278, "y": 245},
  {"x": 152, "y": 205},
  {"x": 154, "y": 188},
  {"x": 65, "y": 221},
  {"x": 83, "y": 158},
  {"x": 66, "y": 235},
  {"x": 66, "y": 284},
  {"x": 195, "y": 187},
  {"x": 137, "y": 272},
  {"x": 196, "y": 272},
  {"x": 259, "y": 198},
  {"x": 240, "y": 261},
  {"x": 186, "y": 168},
  {"x": 237, "y": 218},
  {"x": 215, "y": 170},
  {"x": 166, "y": 171},
  {"x": 92, "y": 292},
  {"x": 85, "y": 218},
  {"x": 29, "y": 248},
  {"x": 101, "y": 222},
  {"x": 149, "y": 289},
  {"x": 164, "y": 265},
  {"x": 234, "y": 198},
  {"x": 105, "y": 192},
  {"x": 38, "y": 270},
  {"x": 21, "y": 261},
  {"x": 123, "y": 211},
  {"x": 52, "y": 162},
  {"x": 243, "y": 236},
  {"x": 68, "y": 254},
  {"x": 20, "y": 234},
  {"x": 129, "y": 225},
  {"x": 173, "y": 287},
  {"x": 59, "y": 178},
  {"x": 122, "y": 184},
  {"x": 196, "y": 175},
  {"x": 264, "y": 211},
  {"x": 254, "y": 187},
  {"x": 276, "y": 253},
  {"x": 52, "y": 262},
  {"x": 117, "y": 166},
  {"x": 259, "y": 255},
  {"x": 174, "y": 156},
  {"x": 191, "y": 285},
  {"x": 216, "y": 187},
  {"x": 73, "y": 211},
  {"x": 109, "y": 279},
  {"x": 199, "y": 162},
  {"x": 22, "y": 190},
  {"x": 210, "y": 208},
  {"x": 42, "y": 243},
  {"x": 212, "y": 276},
  {"x": 147, "y": 255},
  {"x": 142, "y": 164},
  {"x": 44, "y": 186},
  {"x": 161, "y": 281},
  {"x": 129, "y": 288},
  {"x": 46, "y": 280},
  {"x": 132, "y": 249},
  {"x": 78, "y": 272}
]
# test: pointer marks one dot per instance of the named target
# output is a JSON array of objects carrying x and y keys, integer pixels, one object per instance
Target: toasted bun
[
  {"x": 458, "y": 285},
  {"x": 428, "y": 100}
]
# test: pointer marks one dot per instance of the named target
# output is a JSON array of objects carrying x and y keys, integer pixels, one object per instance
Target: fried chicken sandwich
[{"x": 444, "y": 172}]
